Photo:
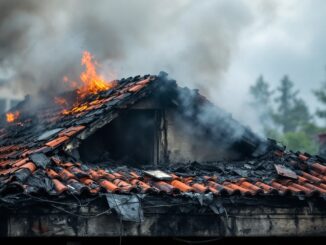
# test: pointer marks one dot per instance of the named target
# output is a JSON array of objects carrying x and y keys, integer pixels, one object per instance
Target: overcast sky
[
  {"x": 218, "y": 46},
  {"x": 291, "y": 42}
]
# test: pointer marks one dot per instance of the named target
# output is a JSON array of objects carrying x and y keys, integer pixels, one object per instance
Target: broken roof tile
[{"x": 285, "y": 172}]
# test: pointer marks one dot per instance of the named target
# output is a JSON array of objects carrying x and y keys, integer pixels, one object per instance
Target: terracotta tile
[
  {"x": 136, "y": 88},
  {"x": 303, "y": 157},
  {"x": 300, "y": 187},
  {"x": 221, "y": 188},
  {"x": 5, "y": 171},
  {"x": 212, "y": 189},
  {"x": 181, "y": 186},
  {"x": 123, "y": 185},
  {"x": 52, "y": 174},
  {"x": 315, "y": 188},
  {"x": 318, "y": 175},
  {"x": 59, "y": 187},
  {"x": 56, "y": 142},
  {"x": 165, "y": 187},
  {"x": 20, "y": 162},
  {"x": 323, "y": 186},
  {"x": 93, "y": 174},
  {"x": 243, "y": 190},
  {"x": 265, "y": 187},
  {"x": 109, "y": 186},
  {"x": 302, "y": 179},
  {"x": 310, "y": 177},
  {"x": 65, "y": 174},
  {"x": 134, "y": 174},
  {"x": 118, "y": 175},
  {"x": 142, "y": 82},
  {"x": 254, "y": 189},
  {"x": 294, "y": 189},
  {"x": 6, "y": 163},
  {"x": 29, "y": 165},
  {"x": 142, "y": 185},
  {"x": 210, "y": 178},
  {"x": 86, "y": 181},
  {"x": 319, "y": 168},
  {"x": 199, "y": 188},
  {"x": 67, "y": 164},
  {"x": 4, "y": 149},
  {"x": 106, "y": 175},
  {"x": 280, "y": 187},
  {"x": 29, "y": 152},
  {"x": 71, "y": 131}
]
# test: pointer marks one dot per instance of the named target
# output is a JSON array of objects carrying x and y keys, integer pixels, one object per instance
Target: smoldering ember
[{"x": 142, "y": 156}]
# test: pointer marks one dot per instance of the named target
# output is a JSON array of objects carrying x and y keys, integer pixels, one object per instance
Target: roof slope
[{"x": 33, "y": 157}]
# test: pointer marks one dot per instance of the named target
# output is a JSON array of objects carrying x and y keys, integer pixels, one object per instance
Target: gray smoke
[{"x": 41, "y": 41}]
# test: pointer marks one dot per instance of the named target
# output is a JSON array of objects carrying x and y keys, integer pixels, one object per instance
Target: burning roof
[{"x": 35, "y": 153}]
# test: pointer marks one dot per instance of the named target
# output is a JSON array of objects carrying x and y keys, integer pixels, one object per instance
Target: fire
[
  {"x": 92, "y": 83},
  {"x": 12, "y": 116}
]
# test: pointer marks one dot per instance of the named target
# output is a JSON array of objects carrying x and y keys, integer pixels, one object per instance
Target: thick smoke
[
  {"x": 41, "y": 41},
  {"x": 194, "y": 41}
]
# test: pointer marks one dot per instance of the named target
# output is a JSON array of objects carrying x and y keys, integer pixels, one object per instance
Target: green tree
[
  {"x": 262, "y": 98},
  {"x": 261, "y": 92},
  {"x": 292, "y": 112},
  {"x": 321, "y": 96}
]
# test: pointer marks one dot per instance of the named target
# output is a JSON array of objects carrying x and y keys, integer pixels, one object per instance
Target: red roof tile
[{"x": 56, "y": 142}]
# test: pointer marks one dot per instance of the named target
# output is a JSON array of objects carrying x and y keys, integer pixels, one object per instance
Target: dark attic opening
[{"x": 129, "y": 138}]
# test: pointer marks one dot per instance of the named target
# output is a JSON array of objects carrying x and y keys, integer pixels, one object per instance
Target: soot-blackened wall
[{"x": 130, "y": 137}]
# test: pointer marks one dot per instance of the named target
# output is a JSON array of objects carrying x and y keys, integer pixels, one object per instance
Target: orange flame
[
  {"x": 12, "y": 116},
  {"x": 92, "y": 82}
]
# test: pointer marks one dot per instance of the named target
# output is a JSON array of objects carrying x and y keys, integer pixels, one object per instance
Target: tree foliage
[
  {"x": 292, "y": 112},
  {"x": 321, "y": 96},
  {"x": 284, "y": 115}
]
